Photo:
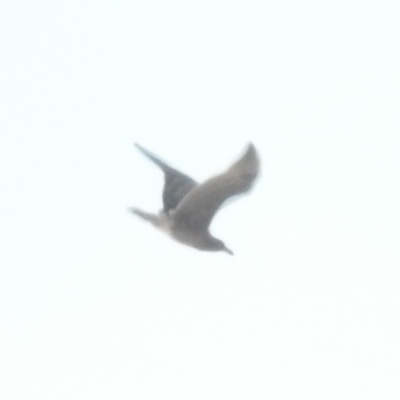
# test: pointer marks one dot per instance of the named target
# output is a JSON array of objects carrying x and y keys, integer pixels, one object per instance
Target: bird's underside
[{"x": 189, "y": 207}]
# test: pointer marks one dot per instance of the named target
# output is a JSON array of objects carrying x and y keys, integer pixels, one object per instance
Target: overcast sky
[{"x": 96, "y": 304}]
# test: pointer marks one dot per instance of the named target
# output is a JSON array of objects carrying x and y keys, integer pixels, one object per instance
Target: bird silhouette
[{"x": 189, "y": 207}]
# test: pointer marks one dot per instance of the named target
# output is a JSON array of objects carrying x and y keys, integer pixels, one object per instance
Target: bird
[{"x": 189, "y": 207}]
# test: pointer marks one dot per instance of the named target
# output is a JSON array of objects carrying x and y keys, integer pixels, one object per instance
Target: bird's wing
[
  {"x": 176, "y": 184},
  {"x": 199, "y": 206}
]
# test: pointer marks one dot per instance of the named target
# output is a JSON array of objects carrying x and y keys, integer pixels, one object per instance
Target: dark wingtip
[
  {"x": 137, "y": 145},
  {"x": 250, "y": 152},
  {"x": 251, "y": 147},
  {"x": 147, "y": 152},
  {"x": 229, "y": 251}
]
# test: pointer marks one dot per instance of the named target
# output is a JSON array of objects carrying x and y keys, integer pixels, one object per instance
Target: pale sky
[{"x": 96, "y": 304}]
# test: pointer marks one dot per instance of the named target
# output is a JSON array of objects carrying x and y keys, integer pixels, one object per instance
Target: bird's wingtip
[
  {"x": 250, "y": 145},
  {"x": 230, "y": 252}
]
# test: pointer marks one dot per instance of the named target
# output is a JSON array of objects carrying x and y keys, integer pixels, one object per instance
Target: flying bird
[{"x": 189, "y": 207}]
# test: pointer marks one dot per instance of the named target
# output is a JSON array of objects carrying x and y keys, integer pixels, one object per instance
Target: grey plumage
[{"x": 189, "y": 207}]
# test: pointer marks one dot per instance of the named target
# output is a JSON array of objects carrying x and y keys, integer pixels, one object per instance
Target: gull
[{"x": 189, "y": 207}]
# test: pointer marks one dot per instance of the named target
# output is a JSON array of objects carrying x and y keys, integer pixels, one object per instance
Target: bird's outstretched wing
[
  {"x": 197, "y": 209},
  {"x": 176, "y": 184}
]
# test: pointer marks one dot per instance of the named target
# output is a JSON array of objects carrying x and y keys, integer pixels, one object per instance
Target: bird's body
[{"x": 190, "y": 207}]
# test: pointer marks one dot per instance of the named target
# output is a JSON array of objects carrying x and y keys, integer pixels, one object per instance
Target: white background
[{"x": 96, "y": 304}]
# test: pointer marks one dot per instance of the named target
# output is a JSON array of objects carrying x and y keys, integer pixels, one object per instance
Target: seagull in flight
[{"x": 189, "y": 207}]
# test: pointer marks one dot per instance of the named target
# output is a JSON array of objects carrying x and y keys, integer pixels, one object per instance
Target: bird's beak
[{"x": 230, "y": 252}]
